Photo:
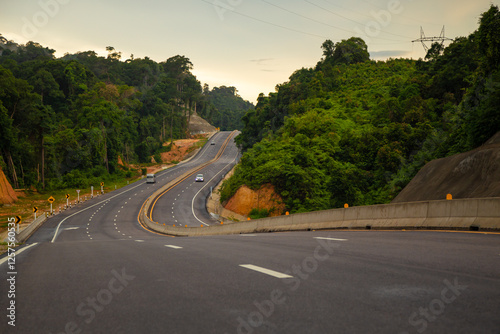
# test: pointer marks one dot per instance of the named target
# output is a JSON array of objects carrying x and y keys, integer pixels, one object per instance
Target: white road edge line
[
  {"x": 107, "y": 200},
  {"x": 74, "y": 214},
  {"x": 206, "y": 184},
  {"x": 265, "y": 271},
  {"x": 174, "y": 247},
  {"x": 18, "y": 252},
  {"x": 334, "y": 239}
]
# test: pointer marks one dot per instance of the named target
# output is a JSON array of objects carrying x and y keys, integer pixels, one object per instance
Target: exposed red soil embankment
[
  {"x": 7, "y": 193},
  {"x": 246, "y": 199}
]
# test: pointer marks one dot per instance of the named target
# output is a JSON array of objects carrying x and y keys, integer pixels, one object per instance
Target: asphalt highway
[
  {"x": 102, "y": 272},
  {"x": 185, "y": 204}
]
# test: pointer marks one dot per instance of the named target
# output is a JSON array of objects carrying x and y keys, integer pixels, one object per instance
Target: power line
[
  {"x": 359, "y": 13},
  {"x": 403, "y": 16},
  {"x": 292, "y": 29},
  {"x": 266, "y": 22},
  {"x": 323, "y": 23},
  {"x": 305, "y": 17},
  {"x": 329, "y": 11},
  {"x": 346, "y": 18},
  {"x": 333, "y": 4}
]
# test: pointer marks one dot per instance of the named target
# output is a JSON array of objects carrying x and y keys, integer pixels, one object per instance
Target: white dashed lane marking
[
  {"x": 266, "y": 271},
  {"x": 174, "y": 247},
  {"x": 333, "y": 239}
]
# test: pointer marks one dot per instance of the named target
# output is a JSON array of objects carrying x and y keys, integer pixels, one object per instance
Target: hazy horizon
[{"x": 252, "y": 46}]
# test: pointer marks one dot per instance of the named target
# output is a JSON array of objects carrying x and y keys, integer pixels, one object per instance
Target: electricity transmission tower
[{"x": 424, "y": 39}]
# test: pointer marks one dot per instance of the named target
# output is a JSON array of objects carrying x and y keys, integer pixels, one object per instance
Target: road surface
[
  {"x": 104, "y": 273},
  {"x": 185, "y": 204}
]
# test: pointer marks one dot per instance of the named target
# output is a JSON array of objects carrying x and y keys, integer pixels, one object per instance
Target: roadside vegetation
[
  {"x": 28, "y": 199},
  {"x": 67, "y": 122},
  {"x": 352, "y": 130},
  {"x": 224, "y": 108}
]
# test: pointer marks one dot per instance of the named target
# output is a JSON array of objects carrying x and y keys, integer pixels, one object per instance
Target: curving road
[
  {"x": 103, "y": 273},
  {"x": 185, "y": 204}
]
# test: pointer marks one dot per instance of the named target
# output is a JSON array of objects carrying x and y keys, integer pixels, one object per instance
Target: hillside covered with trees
[
  {"x": 352, "y": 130},
  {"x": 64, "y": 122},
  {"x": 224, "y": 108}
]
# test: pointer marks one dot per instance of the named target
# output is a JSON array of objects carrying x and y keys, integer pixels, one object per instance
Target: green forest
[
  {"x": 65, "y": 122},
  {"x": 353, "y": 130},
  {"x": 224, "y": 108}
]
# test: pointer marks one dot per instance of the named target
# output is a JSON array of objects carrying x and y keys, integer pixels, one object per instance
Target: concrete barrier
[
  {"x": 463, "y": 214},
  {"x": 30, "y": 229}
]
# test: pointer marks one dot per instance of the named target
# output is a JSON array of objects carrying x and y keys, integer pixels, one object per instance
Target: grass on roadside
[{"x": 27, "y": 200}]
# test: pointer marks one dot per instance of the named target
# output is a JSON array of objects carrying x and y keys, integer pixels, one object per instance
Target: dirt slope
[
  {"x": 198, "y": 125},
  {"x": 7, "y": 194},
  {"x": 247, "y": 199},
  {"x": 180, "y": 149},
  {"x": 472, "y": 174}
]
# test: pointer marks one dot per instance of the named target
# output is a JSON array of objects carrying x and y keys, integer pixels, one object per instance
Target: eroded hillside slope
[{"x": 473, "y": 174}]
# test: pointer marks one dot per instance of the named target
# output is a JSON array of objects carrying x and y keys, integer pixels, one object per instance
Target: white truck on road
[{"x": 150, "y": 178}]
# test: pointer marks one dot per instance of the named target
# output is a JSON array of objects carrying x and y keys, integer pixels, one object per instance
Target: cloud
[
  {"x": 262, "y": 61},
  {"x": 389, "y": 54}
]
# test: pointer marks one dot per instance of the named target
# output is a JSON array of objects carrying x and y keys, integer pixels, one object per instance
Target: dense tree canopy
[
  {"x": 65, "y": 122},
  {"x": 351, "y": 51},
  {"x": 356, "y": 131},
  {"x": 224, "y": 108}
]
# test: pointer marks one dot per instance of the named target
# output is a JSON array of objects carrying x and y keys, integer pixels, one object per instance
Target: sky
[{"x": 252, "y": 45}]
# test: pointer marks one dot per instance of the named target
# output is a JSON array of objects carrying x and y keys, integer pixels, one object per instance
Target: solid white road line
[
  {"x": 74, "y": 214},
  {"x": 174, "y": 247},
  {"x": 18, "y": 252},
  {"x": 334, "y": 239},
  {"x": 265, "y": 271},
  {"x": 206, "y": 184}
]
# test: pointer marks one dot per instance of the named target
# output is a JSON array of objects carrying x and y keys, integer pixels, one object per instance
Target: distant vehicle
[
  {"x": 199, "y": 178},
  {"x": 150, "y": 178},
  {"x": 212, "y": 143}
]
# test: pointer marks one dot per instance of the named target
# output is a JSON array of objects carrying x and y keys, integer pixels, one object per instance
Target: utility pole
[{"x": 424, "y": 39}]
